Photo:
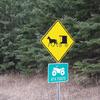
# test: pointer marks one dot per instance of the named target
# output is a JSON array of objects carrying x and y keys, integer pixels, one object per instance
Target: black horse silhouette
[{"x": 52, "y": 41}]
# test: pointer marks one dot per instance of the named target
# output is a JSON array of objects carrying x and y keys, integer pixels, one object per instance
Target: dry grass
[{"x": 17, "y": 87}]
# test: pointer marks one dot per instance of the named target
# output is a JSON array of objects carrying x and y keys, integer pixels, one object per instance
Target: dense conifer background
[{"x": 23, "y": 22}]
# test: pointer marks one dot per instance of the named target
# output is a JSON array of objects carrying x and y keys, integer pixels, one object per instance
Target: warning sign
[{"x": 57, "y": 40}]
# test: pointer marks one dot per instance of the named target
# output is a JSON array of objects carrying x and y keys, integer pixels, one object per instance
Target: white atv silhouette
[{"x": 58, "y": 70}]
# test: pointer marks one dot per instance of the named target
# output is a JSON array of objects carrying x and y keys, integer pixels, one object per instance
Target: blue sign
[{"x": 57, "y": 72}]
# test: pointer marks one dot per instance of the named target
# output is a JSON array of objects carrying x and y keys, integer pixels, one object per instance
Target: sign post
[
  {"x": 58, "y": 91},
  {"x": 58, "y": 42}
]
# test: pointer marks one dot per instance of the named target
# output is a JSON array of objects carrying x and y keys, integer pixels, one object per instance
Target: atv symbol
[{"x": 58, "y": 70}]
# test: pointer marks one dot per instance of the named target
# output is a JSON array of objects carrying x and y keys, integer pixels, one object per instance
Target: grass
[{"x": 18, "y": 87}]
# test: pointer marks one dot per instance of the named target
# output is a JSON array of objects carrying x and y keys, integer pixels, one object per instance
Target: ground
[{"x": 18, "y": 87}]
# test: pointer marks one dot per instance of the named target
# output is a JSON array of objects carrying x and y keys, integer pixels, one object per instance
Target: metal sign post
[{"x": 58, "y": 91}]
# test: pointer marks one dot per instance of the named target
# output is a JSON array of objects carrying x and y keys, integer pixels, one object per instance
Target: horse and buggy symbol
[{"x": 54, "y": 42}]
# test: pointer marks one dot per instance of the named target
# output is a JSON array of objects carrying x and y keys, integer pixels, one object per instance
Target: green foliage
[{"x": 23, "y": 22}]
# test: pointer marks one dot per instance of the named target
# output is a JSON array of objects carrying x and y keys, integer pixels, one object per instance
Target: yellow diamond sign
[{"x": 57, "y": 40}]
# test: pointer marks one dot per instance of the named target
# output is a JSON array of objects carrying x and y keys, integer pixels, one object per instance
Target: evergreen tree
[{"x": 23, "y": 22}]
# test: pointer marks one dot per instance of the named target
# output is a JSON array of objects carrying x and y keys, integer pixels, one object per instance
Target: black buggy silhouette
[{"x": 64, "y": 40}]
